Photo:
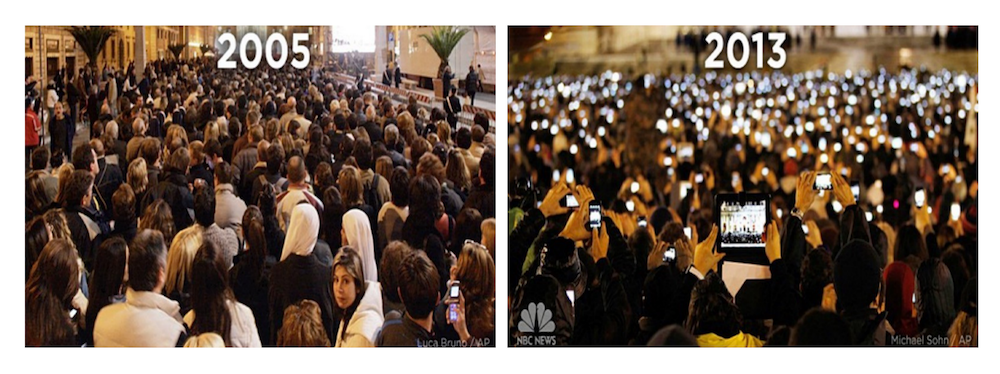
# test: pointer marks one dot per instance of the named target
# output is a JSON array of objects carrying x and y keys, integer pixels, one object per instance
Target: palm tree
[
  {"x": 443, "y": 40},
  {"x": 91, "y": 40},
  {"x": 176, "y": 49}
]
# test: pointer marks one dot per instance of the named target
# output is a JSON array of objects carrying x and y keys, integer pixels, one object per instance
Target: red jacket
[{"x": 31, "y": 127}]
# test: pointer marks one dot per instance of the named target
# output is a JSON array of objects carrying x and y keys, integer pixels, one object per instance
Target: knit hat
[{"x": 856, "y": 275}]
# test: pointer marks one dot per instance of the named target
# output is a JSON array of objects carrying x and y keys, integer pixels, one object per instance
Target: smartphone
[
  {"x": 685, "y": 152},
  {"x": 594, "y": 217},
  {"x": 570, "y": 176},
  {"x": 634, "y": 187},
  {"x": 454, "y": 290},
  {"x": 687, "y": 232},
  {"x": 919, "y": 197},
  {"x": 630, "y": 205},
  {"x": 823, "y": 182},
  {"x": 914, "y": 147},
  {"x": 642, "y": 222},
  {"x": 685, "y": 186},
  {"x": 700, "y": 178},
  {"x": 956, "y": 211},
  {"x": 571, "y": 295},
  {"x": 453, "y": 312},
  {"x": 805, "y": 229},
  {"x": 869, "y": 216},
  {"x": 670, "y": 255},
  {"x": 856, "y": 190},
  {"x": 765, "y": 171},
  {"x": 945, "y": 169},
  {"x": 569, "y": 201}
]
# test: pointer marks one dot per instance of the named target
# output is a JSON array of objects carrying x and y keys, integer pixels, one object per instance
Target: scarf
[
  {"x": 303, "y": 228},
  {"x": 358, "y": 231}
]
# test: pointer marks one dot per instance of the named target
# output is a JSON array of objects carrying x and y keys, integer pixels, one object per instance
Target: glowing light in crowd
[
  {"x": 661, "y": 124},
  {"x": 573, "y": 149}
]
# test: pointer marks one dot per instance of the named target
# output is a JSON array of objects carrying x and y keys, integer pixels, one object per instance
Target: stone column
[{"x": 140, "y": 50}]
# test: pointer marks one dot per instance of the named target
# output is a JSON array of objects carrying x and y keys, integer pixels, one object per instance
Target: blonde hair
[
  {"x": 383, "y": 166},
  {"x": 301, "y": 326},
  {"x": 477, "y": 272},
  {"x": 206, "y": 340},
  {"x": 179, "y": 257},
  {"x": 964, "y": 332},
  {"x": 444, "y": 132},
  {"x": 350, "y": 185},
  {"x": 489, "y": 229}
]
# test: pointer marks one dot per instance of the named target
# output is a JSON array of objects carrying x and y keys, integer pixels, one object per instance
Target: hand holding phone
[
  {"x": 920, "y": 197},
  {"x": 824, "y": 182},
  {"x": 594, "y": 215}
]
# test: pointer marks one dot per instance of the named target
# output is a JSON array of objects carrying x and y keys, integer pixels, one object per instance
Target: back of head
[
  {"x": 672, "y": 336},
  {"x": 147, "y": 257},
  {"x": 123, "y": 203},
  {"x": 40, "y": 158},
  {"x": 487, "y": 168},
  {"x": 935, "y": 294},
  {"x": 204, "y": 207},
  {"x": 49, "y": 291},
  {"x": 206, "y": 340},
  {"x": 712, "y": 309},
  {"x": 363, "y": 153},
  {"x": 909, "y": 242},
  {"x": 418, "y": 284},
  {"x": 463, "y": 138},
  {"x": 296, "y": 170},
  {"x": 856, "y": 276},
  {"x": 302, "y": 326},
  {"x": 209, "y": 291},
  {"x": 817, "y": 272},
  {"x": 83, "y": 156},
  {"x": 478, "y": 133},
  {"x": 820, "y": 327},
  {"x": 392, "y": 259}
]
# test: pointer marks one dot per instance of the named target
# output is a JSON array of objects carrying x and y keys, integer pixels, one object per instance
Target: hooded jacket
[
  {"x": 363, "y": 327},
  {"x": 741, "y": 340}
]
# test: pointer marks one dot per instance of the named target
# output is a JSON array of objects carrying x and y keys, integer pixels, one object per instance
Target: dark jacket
[
  {"x": 251, "y": 289},
  {"x": 297, "y": 278},
  {"x": 173, "y": 189}
]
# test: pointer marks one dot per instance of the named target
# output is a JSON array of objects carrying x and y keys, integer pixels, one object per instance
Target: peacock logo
[{"x": 536, "y": 319}]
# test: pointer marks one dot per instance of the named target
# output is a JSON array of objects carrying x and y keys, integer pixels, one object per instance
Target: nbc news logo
[{"x": 536, "y": 326}]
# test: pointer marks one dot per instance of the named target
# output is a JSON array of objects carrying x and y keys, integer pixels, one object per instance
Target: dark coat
[{"x": 297, "y": 278}]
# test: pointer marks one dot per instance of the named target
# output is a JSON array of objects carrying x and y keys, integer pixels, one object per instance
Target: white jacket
[
  {"x": 243, "y": 332},
  {"x": 366, "y": 321},
  {"x": 145, "y": 319}
]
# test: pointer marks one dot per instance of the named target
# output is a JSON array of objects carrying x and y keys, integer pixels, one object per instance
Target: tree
[
  {"x": 176, "y": 49},
  {"x": 443, "y": 40},
  {"x": 91, "y": 40}
]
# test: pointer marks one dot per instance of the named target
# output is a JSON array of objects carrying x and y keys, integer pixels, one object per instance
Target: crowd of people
[
  {"x": 248, "y": 208},
  {"x": 893, "y": 263}
]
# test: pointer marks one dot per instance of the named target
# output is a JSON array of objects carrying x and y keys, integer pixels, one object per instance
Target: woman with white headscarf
[
  {"x": 358, "y": 234},
  {"x": 300, "y": 273}
]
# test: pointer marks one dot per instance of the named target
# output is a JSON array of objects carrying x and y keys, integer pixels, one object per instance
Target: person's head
[
  {"x": 302, "y": 326},
  {"x": 348, "y": 280},
  {"x": 476, "y": 271},
  {"x": 351, "y": 187},
  {"x": 712, "y": 309},
  {"x": 856, "y": 276},
  {"x": 78, "y": 190},
  {"x": 35, "y": 197},
  {"x": 817, "y": 272},
  {"x": 899, "y": 292},
  {"x": 123, "y": 204},
  {"x": 210, "y": 291},
  {"x": 158, "y": 216},
  {"x": 399, "y": 186},
  {"x": 383, "y": 167},
  {"x": 363, "y": 153},
  {"x": 478, "y": 134},
  {"x": 641, "y": 242},
  {"x": 197, "y": 151},
  {"x": 40, "y": 158},
  {"x": 909, "y": 242},
  {"x": 49, "y": 291},
  {"x": 935, "y": 294},
  {"x": 487, "y": 165},
  {"x": 392, "y": 259},
  {"x": 658, "y": 290},
  {"x": 224, "y": 174},
  {"x": 204, "y": 207},
  {"x": 149, "y": 149},
  {"x": 256, "y": 134},
  {"x": 108, "y": 278},
  {"x": 456, "y": 171},
  {"x": 444, "y": 133},
  {"x": 821, "y": 327},
  {"x": 425, "y": 197},
  {"x": 139, "y": 126},
  {"x": 84, "y": 158},
  {"x": 463, "y": 138},
  {"x": 297, "y": 170},
  {"x": 467, "y": 226},
  {"x": 147, "y": 261},
  {"x": 179, "y": 161},
  {"x": 137, "y": 175},
  {"x": 418, "y": 285},
  {"x": 430, "y": 164},
  {"x": 256, "y": 241},
  {"x": 179, "y": 258}
]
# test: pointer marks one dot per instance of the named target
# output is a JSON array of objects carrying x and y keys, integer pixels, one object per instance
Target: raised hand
[
  {"x": 804, "y": 193},
  {"x": 705, "y": 258},
  {"x": 550, "y": 205},
  {"x": 842, "y": 191}
]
